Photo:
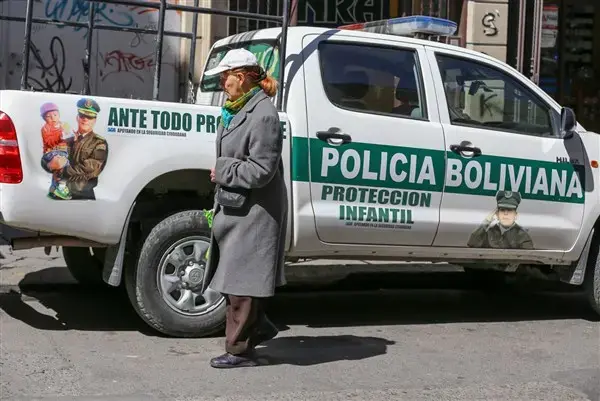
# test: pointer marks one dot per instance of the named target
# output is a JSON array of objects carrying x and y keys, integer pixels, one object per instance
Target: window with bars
[
  {"x": 239, "y": 25},
  {"x": 434, "y": 8}
]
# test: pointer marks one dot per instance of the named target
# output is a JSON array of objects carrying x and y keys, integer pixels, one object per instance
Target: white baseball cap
[{"x": 234, "y": 58}]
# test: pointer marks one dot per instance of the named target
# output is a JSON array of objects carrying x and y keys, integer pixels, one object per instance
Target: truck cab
[{"x": 400, "y": 147}]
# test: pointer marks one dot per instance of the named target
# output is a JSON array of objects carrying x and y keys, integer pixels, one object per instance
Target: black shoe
[
  {"x": 265, "y": 331},
  {"x": 228, "y": 360}
]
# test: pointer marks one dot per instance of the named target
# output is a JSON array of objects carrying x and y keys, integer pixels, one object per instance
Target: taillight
[{"x": 11, "y": 171}]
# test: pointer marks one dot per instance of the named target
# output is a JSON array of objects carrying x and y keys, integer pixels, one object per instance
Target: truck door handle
[
  {"x": 459, "y": 149},
  {"x": 334, "y": 136}
]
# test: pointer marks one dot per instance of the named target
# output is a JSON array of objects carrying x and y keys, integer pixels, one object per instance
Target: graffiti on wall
[
  {"x": 49, "y": 68},
  {"x": 122, "y": 63},
  {"x": 119, "y": 62},
  {"x": 46, "y": 67},
  {"x": 79, "y": 11},
  {"x": 489, "y": 23}
]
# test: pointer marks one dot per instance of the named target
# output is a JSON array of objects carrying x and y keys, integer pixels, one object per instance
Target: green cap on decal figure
[
  {"x": 508, "y": 199},
  {"x": 88, "y": 107}
]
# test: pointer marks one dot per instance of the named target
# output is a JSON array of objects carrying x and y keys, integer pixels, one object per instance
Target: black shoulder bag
[{"x": 234, "y": 198}]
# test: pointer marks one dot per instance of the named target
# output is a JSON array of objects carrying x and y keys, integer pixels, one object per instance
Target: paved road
[{"x": 425, "y": 337}]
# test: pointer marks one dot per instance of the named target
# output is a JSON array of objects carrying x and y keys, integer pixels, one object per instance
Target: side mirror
[{"x": 567, "y": 122}]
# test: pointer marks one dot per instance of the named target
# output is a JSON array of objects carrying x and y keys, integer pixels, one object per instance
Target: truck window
[
  {"x": 266, "y": 52},
  {"x": 371, "y": 79},
  {"x": 484, "y": 97}
]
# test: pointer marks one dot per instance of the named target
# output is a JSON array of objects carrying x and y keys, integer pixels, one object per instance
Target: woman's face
[{"x": 232, "y": 83}]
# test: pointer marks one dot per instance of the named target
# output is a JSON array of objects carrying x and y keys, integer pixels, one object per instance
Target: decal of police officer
[
  {"x": 88, "y": 152},
  {"x": 500, "y": 229}
]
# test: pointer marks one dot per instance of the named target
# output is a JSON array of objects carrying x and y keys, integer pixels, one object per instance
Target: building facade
[
  {"x": 553, "y": 42},
  {"x": 570, "y": 56}
]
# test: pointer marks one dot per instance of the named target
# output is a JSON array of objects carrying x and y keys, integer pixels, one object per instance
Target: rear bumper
[{"x": 8, "y": 233}]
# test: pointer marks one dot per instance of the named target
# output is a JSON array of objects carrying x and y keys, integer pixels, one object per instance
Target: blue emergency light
[{"x": 415, "y": 26}]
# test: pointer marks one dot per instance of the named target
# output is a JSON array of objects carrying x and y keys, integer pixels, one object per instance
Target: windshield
[{"x": 266, "y": 52}]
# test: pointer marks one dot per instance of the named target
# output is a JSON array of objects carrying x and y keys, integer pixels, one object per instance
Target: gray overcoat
[{"x": 247, "y": 245}]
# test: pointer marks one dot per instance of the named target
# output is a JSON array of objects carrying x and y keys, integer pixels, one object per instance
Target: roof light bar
[{"x": 416, "y": 26}]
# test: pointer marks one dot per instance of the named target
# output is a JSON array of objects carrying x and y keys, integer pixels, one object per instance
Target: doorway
[
  {"x": 557, "y": 46},
  {"x": 570, "y": 57}
]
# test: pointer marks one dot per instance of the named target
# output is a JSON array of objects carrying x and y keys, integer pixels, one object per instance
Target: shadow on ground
[
  {"x": 308, "y": 350},
  {"x": 376, "y": 299},
  {"x": 584, "y": 380}
]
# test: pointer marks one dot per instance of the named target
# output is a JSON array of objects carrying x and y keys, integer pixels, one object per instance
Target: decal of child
[{"x": 55, "y": 136}]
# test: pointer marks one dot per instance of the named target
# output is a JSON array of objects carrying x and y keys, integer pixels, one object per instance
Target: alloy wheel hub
[
  {"x": 180, "y": 275},
  {"x": 193, "y": 275}
]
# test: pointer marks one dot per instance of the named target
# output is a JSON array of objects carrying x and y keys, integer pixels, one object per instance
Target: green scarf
[{"x": 231, "y": 108}]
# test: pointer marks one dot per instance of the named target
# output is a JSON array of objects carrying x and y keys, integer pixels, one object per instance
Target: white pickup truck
[{"x": 395, "y": 148}]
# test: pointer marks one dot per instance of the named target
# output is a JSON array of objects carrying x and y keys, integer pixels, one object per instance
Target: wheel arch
[
  {"x": 164, "y": 195},
  {"x": 145, "y": 292},
  {"x": 575, "y": 274}
]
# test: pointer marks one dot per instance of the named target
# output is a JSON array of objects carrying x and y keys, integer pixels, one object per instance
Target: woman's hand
[{"x": 212, "y": 175}]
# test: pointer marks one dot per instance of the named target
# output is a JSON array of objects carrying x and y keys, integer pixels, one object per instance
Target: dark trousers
[{"x": 243, "y": 316}]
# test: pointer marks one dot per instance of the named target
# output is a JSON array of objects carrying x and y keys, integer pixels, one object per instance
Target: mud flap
[
  {"x": 115, "y": 255},
  {"x": 578, "y": 274}
]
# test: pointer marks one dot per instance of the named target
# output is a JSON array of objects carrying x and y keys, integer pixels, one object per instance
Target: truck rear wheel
[
  {"x": 85, "y": 264},
  {"x": 164, "y": 286}
]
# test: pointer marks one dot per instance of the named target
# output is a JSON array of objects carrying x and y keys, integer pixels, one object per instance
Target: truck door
[
  {"x": 375, "y": 145},
  {"x": 511, "y": 181}
]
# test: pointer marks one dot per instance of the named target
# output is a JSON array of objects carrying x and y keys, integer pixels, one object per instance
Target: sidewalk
[{"x": 52, "y": 269}]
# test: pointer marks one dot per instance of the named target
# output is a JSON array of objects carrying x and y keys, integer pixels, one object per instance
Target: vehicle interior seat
[
  {"x": 353, "y": 90},
  {"x": 407, "y": 93}
]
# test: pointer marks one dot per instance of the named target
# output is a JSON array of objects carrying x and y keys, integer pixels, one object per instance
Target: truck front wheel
[
  {"x": 591, "y": 283},
  {"x": 164, "y": 286},
  {"x": 85, "y": 264}
]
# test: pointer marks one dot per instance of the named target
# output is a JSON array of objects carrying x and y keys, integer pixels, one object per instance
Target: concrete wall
[
  {"x": 210, "y": 28},
  {"x": 122, "y": 63},
  {"x": 487, "y": 27}
]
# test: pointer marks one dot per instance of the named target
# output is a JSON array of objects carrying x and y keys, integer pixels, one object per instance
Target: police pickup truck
[{"x": 395, "y": 147}]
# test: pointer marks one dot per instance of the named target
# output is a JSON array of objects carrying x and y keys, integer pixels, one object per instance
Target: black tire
[
  {"x": 591, "y": 283},
  {"x": 85, "y": 264},
  {"x": 143, "y": 288}
]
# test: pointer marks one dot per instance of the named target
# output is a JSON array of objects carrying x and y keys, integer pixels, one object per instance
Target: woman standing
[{"x": 250, "y": 216}]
